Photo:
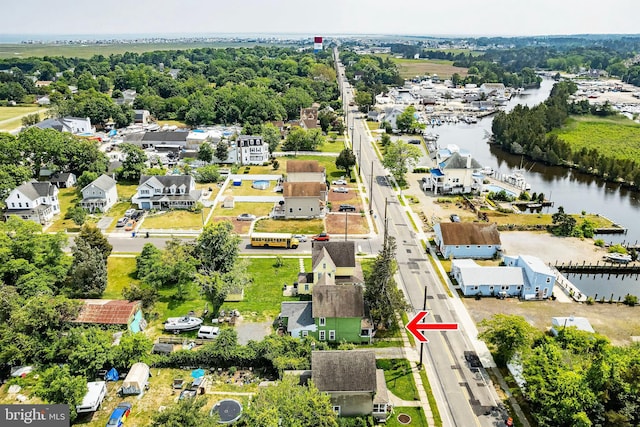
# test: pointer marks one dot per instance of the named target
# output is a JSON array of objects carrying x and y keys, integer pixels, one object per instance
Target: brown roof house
[
  {"x": 305, "y": 171},
  {"x": 335, "y": 259},
  {"x": 112, "y": 312},
  {"x": 302, "y": 200},
  {"x": 352, "y": 381},
  {"x": 309, "y": 118},
  {"x": 467, "y": 239}
]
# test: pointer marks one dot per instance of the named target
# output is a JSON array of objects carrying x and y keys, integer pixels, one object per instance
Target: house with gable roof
[
  {"x": 100, "y": 195},
  {"x": 166, "y": 192},
  {"x": 335, "y": 259},
  {"x": 74, "y": 125},
  {"x": 467, "y": 239},
  {"x": 353, "y": 383},
  {"x": 305, "y": 171},
  {"x": 302, "y": 200},
  {"x": 454, "y": 174},
  {"x": 33, "y": 201}
]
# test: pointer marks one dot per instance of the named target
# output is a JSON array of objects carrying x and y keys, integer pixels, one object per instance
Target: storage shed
[{"x": 137, "y": 379}]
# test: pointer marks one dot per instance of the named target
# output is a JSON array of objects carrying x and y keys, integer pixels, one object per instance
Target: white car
[
  {"x": 129, "y": 212},
  {"x": 300, "y": 237},
  {"x": 339, "y": 182},
  {"x": 208, "y": 332},
  {"x": 246, "y": 217},
  {"x": 340, "y": 190}
]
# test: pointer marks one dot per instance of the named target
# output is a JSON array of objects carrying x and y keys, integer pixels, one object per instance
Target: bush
[
  {"x": 599, "y": 243},
  {"x": 630, "y": 300}
]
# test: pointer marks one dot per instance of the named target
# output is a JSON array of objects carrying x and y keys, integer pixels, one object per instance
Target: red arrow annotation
[{"x": 414, "y": 326}]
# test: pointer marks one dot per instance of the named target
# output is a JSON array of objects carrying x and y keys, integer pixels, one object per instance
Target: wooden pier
[
  {"x": 605, "y": 267},
  {"x": 610, "y": 230}
]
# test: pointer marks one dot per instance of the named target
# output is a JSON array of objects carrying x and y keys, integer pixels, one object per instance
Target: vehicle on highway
[
  {"x": 300, "y": 237},
  {"x": 322, "y": 237},
  {"x": 340, "y": 190},
  {"x": 339, "y": 182},
  {"x": 130, "y": 225},
  {"x": 454, "y": 218},
  {"x": 129, "y": 212},
  {"x": 246, "y": 217},
  {"x": 274, "y": 240},
  {"x": 122, "y": 222},
  {"x": 119, "y": 415},
  {"x": 347, "y": 208}
]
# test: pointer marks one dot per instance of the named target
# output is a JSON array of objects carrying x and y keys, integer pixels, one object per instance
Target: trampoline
[{"x": 228, "y": 410}]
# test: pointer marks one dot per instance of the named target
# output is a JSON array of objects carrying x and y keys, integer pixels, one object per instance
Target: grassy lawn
[
  {"x": 616, "y": 137},
  {"x": 172, "y": 123},
  {"x": 417, "y": 417},
  {"x": 543, "y": 219},
  {"x": 258, "y": 209},
  {"x": 357, "y": 224},
  {"x": 397, "y": 374},
  {"x": 67, "y": 198},
  {"x": 373, "y": 125},
  {"x": 263, "y": 296},
  {"x": 264, "y": 170},
  {"x": 246, "y": 189},
  {"x": 126, "y": 191},
  {"x": 7, "y": 113},
  {"x": 120, "y": 273},
  {"x": 215, "y": 189},
  {"x": 302, "y": 226},
  {"x": 432, "y": 400},
  {"x": 417, "y": 67},
  {"x": 332, "y": 147},
  {"x": 181, "y": 219}
]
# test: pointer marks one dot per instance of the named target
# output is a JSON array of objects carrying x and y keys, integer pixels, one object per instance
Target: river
[{"x": 571, "y": 189}]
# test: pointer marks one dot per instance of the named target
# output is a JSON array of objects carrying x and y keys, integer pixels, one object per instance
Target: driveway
[
  {"x": 255, "y": 331},
  {"x": 105, "y": 222}
]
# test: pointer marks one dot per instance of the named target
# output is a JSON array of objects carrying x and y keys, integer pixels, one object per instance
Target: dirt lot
[{"x": 335, "y": 224}]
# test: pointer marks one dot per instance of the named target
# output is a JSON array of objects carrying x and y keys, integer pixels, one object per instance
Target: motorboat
[
  {"x": 487, "y": 170},
  {"x": 185, "y": 323},
  {"x": 618, "y": 258}
]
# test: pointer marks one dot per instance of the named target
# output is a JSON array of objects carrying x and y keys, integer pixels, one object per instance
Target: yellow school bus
[{"x": 274, "y": 240}]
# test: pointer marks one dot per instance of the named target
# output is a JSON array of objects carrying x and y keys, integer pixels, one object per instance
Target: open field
[
  {"x": 7, "y": 113},
  {"x": 258, "y": 209},
  {"x": 179, "y": 219},
  {"x": 296, "y": 226},
  {"x": 357, "y": 224},
  {"x": 120, "y": 273},
  {"x": 616, "y": 137},
  {"x": 88, "y": 50},
  {"x": 409, "y": 68}
]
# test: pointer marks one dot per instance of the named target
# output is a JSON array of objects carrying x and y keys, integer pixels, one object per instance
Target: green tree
[
  {"x": 295, "y": 99},
  {"x": 93, "y": 236},
  {"x": 289, "y": 404},
  {"x": 222, "y": 151},
  {"x": 507, "y": 335},
  {"x": 381, "y": 294},
  {"x": 363, "y": 99},
  {"x": 77, "y": 214},
  {"x": 399, "y": 157},
  {"x": 87, "y": 350},
  {"x": 185, "y": 413},
  {"x": 131, "y": 349},
  {"x": 205, "y": 153},
  {"x": 88, "y": 275},
  {"x": 406, "y": 121},
  {"x": 346, "y": 160},
  {"x": 217, "y": 247},
  {"x": 207, "y": 174},
  {"x": 57, "y": 385},
  {"x": 134, "y": 162},
  {"x": 564, "y": 224},
  {"x": 271, "y": 136},
  {"x": 30, "y": 119},
  {"x": 85, "y": 179}
]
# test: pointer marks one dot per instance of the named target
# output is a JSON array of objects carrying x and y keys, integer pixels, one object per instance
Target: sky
[{"x": 321, "y": 17}]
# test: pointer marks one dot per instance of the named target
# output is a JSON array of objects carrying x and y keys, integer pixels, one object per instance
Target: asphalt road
[{"x": 464, "y": 397}]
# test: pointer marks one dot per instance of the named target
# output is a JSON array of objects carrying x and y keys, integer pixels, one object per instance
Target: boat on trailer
[{"x": 185, "y": 323}]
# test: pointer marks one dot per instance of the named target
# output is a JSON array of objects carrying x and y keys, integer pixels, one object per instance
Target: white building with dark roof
[
  {"x": 100, "y": 195},
  {"x": 251, "y": 150},
  {"x": 166, "y": 192},
  {"x": 33, "y": 201}
]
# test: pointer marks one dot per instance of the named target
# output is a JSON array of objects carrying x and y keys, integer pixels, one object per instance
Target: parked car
[
  {"x": 137, "y": 215},
  {"x": 129, "y": 212},
  {"x": 300, "y": 237},
  {"x": 340, "y": 190},
  {"x": 246, "y": 217},
  {"x": 122, "y": 222},
  {"x": 339, "y": 182},
  {"x": 347, "y": 208},
  {"x": 322, "y": 237},
  {"x": 130, "y": 225},
  {"x": 119, "y": 415},
  {"x": 454, "y": 218},
  {"x": 208, "y": 332},
  {"x": 414, "y": 141}
]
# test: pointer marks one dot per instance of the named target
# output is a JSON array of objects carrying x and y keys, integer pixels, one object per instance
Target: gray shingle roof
[
  {"x": 343, "y": 254},
  {"x": 456, "y": 161},
  {"x": 344, "y": 370},
  {"x": 34, "y": 190},
  {"x": 298, "y": 314},
  {"x": 337, "y": 301},
  {"x": 103, "y": 182},
  {"x": 165, "y": 136},
  {"x": 169, "y": 180}
]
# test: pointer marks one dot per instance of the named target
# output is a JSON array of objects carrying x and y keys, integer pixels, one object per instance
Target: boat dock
[{"x": 606, "y": 267}]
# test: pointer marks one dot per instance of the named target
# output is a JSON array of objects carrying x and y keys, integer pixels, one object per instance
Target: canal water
[{"x": 571, "y": 189}]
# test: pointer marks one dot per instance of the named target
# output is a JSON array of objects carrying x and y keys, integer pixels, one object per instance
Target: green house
[{"x": 338, "y": 312}]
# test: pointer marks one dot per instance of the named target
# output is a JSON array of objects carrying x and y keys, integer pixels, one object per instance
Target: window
[
  {"x": 144, "y": 191},
  {"x": 290, "y": 210},
  {"x": 13, "y": 205},
  {"x": 324, "y": 265},
  {"x": 306, "y": 286},
  {"x": 322, "y": 337},
  {"x": 379, "y": 408},
  {"x": 20, "y": 205},
  {"x": 336, "y": 409},
  {"x": 305, "y": 333},
  {"x": 27, "y": 205},
  {"x": 332, "y": 335},
  {"x": 364, "y": 332},
  {"x": 548, "y": 279},
  {"x": 323, "y": 321}
]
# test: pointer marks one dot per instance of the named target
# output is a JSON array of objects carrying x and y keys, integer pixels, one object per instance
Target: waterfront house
[
  {"x": 539, "y": 278},
  {"x": 336, "y": 259},
  {"x": 453, "y": 175},
  {"x": 99, "y": 195},
  {"x": 141, "y": 117},
  {"x": 305, "y": 171},
  {"x": 166, "y": 192},
  {"x": 355, "y": 386},
  {"x": 467, "y": 239},
  {"x": 302, "y": 200},
  {"x": 33, "y": 201},
  {"x": 493, "y": 89}
]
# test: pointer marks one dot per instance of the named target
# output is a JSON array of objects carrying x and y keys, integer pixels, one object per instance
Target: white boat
[
  {"x": 619, "y": 258},
  {"x": 487, "y": 170},
  {"x": 185, "y": 323}
]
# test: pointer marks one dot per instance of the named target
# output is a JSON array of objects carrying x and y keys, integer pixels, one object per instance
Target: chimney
[{"x": 469, "y": 161}]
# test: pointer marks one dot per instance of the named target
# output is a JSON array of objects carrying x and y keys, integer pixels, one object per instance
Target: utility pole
[
  {"x": 371, "y": 189},
  {"x": 424, "y": 308},
  {"x": 386, "y": 228}
]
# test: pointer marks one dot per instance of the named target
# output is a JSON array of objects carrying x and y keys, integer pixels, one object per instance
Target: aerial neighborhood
[{"x": 352, "y": 231}]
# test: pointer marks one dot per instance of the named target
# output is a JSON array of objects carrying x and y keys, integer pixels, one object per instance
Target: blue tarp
[
  {"x": 113, "y": 132},
  {"x": 112, "y": 375},
  {"x": 197, "y": 373}
]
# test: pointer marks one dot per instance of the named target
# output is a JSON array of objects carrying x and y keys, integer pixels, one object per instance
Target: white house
[
  {"x": 251, "y": 150},
  {"x": 467, "y": 239},
  {"x": 305, "y": 171},
  {"x": 455, "y": 174},
  {"x": 63, "y": 180},
  {"x": 492, "y": 89},
  {"x": 74, "y": 125},
  {"x": 33, "y": 201},
  {"x": 391, "y": 114},
  {"x": 539, "y": 278},
  {"x": 166, "y": 192},
  {"x": 302, "y": 200},
  {"x": 296, "y": 318},
  {"x": 99, "y": 195}
]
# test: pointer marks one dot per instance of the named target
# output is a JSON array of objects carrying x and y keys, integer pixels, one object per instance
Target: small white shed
[{"x": 137, "y": 379}]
